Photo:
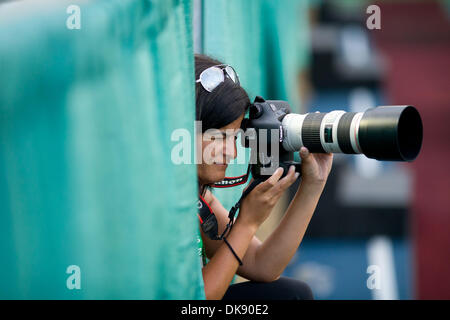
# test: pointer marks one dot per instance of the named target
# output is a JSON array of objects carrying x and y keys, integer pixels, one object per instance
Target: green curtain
[
  {"x": 86, "y": 176},
  {"x": 267, "y": 41}
]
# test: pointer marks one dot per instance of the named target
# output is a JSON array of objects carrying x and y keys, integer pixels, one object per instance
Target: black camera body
[{"x": 265, "y": 118}]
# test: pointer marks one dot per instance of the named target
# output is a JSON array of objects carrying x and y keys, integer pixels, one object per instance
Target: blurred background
[
  {"x": 387, "y": 214},
  {"x": 394, "y": 215},
  {"x": 86, "y": 117}
]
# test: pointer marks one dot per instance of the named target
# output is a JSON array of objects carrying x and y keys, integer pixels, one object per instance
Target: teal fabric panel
[
  {"x": 86, "y": 176},
  {"x": 267, "y": 41}
]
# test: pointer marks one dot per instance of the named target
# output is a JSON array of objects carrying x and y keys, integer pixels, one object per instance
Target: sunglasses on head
[{"x": 211, "y": 77}]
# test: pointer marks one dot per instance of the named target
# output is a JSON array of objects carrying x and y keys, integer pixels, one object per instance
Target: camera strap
[
  {"x": 206, "y": 216},
  {"x": 232, "y": 181},
  {"x": 209, "y": 225},
  {"x": 208, "y": 221}
]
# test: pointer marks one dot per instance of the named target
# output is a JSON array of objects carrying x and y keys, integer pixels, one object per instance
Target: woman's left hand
[{"x": 315, "y": 166}]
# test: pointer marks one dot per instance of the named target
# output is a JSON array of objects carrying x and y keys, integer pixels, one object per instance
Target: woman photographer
[{"x": 221, "y": 104}]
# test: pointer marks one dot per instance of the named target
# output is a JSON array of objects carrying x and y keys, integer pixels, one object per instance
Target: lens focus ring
[
  {"x": 343, "y": 133},
  {"x": 311, "y": 132}
]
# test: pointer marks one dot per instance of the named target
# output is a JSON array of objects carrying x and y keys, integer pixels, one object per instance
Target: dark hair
[
  {"x": 224, "y": 104},
  {"x": 218, "y": 108}
]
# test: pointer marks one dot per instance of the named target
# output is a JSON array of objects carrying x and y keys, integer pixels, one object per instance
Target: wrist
[
  {"x": 311, "y": 186},
  {"x": 313, "y": 182},
  {"x": 242, "y": 223}
]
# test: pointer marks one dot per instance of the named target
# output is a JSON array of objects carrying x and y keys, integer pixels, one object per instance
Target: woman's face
[{"x": 218, "y": 149}]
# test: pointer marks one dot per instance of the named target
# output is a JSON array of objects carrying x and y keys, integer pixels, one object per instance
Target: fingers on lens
[
  {"x": 272, "y": 181},
  {"x": 277, "y": 174},
  {"x": 289, "y": 178}
]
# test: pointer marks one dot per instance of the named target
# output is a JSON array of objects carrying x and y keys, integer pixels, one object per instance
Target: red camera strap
[{"x": 232, "y": 181}]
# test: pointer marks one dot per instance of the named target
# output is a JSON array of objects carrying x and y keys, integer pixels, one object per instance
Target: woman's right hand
[{"x": 258, "y": 204}]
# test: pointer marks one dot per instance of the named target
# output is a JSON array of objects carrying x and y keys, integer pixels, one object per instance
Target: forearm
[
  {"x": 220, "y": 270},
  {"x": 274, "y": 254}
]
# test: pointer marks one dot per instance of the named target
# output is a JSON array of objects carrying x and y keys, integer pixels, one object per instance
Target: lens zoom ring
[
  {"x": 311, "y": 132},
  {"x": 343, "y": 133}
]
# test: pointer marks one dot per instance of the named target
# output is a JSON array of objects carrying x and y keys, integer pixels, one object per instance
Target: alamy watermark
[
  {"x": 214, "y": 146},
  {"x": 374, "y": 280},
  {"x": 74, "y": 280},
  {"x": 73, "y": 21},
  {"x": 374, "y": 20}
]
